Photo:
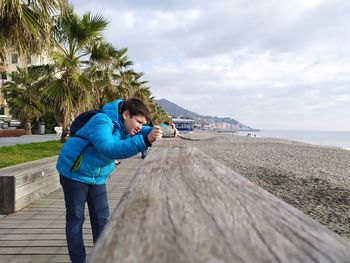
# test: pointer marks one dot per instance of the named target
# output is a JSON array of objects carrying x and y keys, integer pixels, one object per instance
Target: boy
[{"x": 87, "y": 159}]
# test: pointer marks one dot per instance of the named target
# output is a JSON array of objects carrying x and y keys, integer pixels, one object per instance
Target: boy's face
[{"x": 133, "y": 124}]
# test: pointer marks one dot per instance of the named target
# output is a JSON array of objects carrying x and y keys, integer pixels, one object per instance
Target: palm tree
[
  {"x": 26, "y": 25},
  {"x": 105, "y": 64},
  {"x": 112, "y": 78},
  {"x": 129, "y": 82},
  {"x": 22, "y": 98},
  {"x": 69, "y": 88},
  {"x": 158, "y": 114}
]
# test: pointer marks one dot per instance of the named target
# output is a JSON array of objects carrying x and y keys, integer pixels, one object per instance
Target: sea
[{"x": 325, "y": 138}]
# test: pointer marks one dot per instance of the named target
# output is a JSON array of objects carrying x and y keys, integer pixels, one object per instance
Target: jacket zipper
[{"x": 99, "y": 172}]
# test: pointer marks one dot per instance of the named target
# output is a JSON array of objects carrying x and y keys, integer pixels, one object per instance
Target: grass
[{"x": 22, "y": 153}]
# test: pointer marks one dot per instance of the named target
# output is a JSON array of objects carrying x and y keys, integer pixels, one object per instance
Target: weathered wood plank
[
  {"x": 40, "y": 231},
  {"x": 34, "y": 258},
  {"x": 35, "y": 220},
  {"x": 59, "y": 224},
  {"x": 40, "y": 243},
  {"x": 38, "y": 192},
  {"x": 23, "y": 168},
  {"x": 42, "y": 209},
  {"x": 40, "y": 212},
  {"x": 186, "y": 207},
  {"x": 38, "y": 216},
  {"x": 36, "y": 250},
  {"x": 36, "y": 184},
  {"x": 33, "y": 236},
  {"x": 35, "y": 173},
  {"x": 50, "y": 202}
]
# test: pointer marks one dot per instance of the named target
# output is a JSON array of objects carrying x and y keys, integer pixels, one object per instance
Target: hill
[{"x": 177, "y": 111}]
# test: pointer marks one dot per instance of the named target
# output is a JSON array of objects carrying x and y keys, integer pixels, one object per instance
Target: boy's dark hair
[{"x": 135, "y": 107}]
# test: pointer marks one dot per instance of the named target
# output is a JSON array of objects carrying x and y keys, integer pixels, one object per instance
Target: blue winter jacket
[{"x": 109, "y": 141}]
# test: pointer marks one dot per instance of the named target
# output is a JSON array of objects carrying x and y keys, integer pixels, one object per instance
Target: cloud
[{"x": 269, "y": 64}]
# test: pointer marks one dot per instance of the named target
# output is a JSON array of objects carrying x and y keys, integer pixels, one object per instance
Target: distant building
[
  {"x": 183, "y": 125},
  {"x": 9, "y": 65}
]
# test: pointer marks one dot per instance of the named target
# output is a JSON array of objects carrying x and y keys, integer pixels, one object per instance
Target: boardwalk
[{"x": 36, "y": 233}]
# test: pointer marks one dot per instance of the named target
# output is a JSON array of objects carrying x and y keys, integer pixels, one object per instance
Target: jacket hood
[{"x": 112, "y": 111}]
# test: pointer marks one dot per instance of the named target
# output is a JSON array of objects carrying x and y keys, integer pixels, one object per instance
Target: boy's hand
[{"x": 155, "y": 134}]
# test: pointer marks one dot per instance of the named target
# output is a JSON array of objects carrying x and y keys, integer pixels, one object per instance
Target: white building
[{"x": 9, "y": 65}]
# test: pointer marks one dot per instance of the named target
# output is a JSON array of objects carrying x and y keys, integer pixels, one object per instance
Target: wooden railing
[
  {"x": 22, "y": 184},
  {"x": 183, "y": 206}
]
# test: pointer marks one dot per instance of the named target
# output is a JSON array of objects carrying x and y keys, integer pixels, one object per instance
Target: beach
[{"x": 314, "y": 179}]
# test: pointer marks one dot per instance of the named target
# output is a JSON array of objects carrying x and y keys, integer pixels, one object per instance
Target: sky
[{"x": 269, "y": 64}]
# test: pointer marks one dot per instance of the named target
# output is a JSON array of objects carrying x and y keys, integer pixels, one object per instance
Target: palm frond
[
  {"x": 26, "y": 27},
  {"x": 96, "y": 24},
  {"x": 64, "y": 61},
  {"x": 55, "y": 92},
  {"x": 81, "y": 81}
]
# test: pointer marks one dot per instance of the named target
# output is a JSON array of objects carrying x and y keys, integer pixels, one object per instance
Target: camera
[{"x": 168, "y": 131}]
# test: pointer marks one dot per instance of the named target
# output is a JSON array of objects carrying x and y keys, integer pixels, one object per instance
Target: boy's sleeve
[
  {"x": 112, "y": 147},
  {"x": 145, "y": 130}
]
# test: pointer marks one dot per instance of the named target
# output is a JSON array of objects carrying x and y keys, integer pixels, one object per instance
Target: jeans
[{"x": 76, "y": 194}]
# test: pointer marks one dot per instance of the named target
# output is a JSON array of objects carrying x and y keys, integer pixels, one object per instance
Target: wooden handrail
[{"x": 183, "y": 206}]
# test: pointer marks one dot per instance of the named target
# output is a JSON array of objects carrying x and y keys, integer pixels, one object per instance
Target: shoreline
[
  {"x": 196, "y": 133},
  {"x": 312, "y": 178},
  {"x": 340, "y": 139}
]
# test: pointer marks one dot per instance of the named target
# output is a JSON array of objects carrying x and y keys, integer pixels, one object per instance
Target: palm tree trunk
[
  {"x": 64, "y": 136},
  {"x": 65, "y": 130},
  {"x": 28, "y": 127},
  {"x": 62, "y": 121}
]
